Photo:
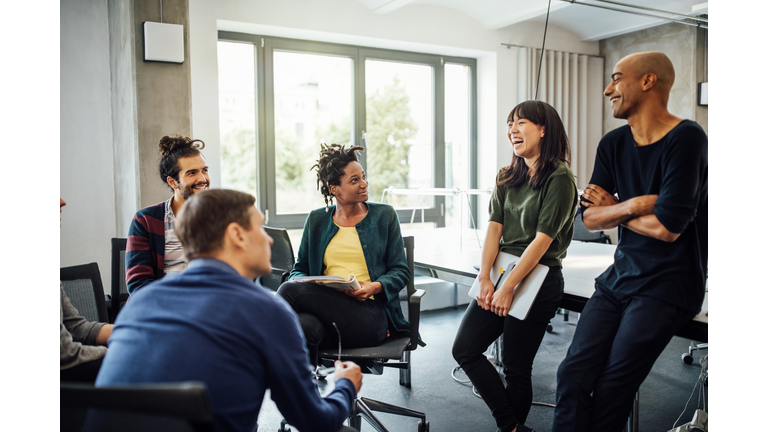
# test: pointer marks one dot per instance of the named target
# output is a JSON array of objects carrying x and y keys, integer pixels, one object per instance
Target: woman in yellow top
[{"x": 352, "y": 237}]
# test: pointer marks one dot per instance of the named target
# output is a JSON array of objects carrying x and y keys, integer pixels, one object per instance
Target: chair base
[
  {"x": 375, "y": 366},
  {"x": 688, "y": 357},
  {"x": 363, "y": 408}
]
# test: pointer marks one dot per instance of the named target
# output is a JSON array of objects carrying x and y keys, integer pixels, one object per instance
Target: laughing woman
[
  {"x": 352, "y": 237},
  {"x": 531, "y": 216}
]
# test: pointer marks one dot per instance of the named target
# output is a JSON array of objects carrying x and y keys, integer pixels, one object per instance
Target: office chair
[
  {"x": 82, "y": 284},
  {"x": 172, "y": 407},
  {"x": 374, "y": 359},
  {"x": 688, "y": 357},
  {"x": 581, "y": 233},
  {"x": 282, "y": 258},
  {"x": 119, "y": 291}
]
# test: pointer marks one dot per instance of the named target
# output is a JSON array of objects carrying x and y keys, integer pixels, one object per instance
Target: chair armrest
[{"x": 414, "y": 312}]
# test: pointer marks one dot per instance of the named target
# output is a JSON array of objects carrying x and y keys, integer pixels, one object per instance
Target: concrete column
[
  {"x": 701, "y": 115},
  {"x": 163, "y": 96},
  {"x": 149, "y": 100},
  {"x": 686, "y": 48},
  {"x": 122, "y": 59}
]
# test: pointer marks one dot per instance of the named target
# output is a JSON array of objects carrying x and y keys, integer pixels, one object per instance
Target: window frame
[{"x": 265, "y": 47}]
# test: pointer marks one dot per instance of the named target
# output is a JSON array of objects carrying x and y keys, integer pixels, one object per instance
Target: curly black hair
[
  {"x": 330, "y": 167},
  {"x": 172, "y": 148}
]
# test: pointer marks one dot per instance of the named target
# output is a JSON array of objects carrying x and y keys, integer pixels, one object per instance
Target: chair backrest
[
  {"x": 168, "y": 407},
  {"x": 581, "y": 233},
  {"x": 409, "y": 302},
  {"x": 282, "y": 258},
  {"x": 82, "y": 284},
  {"x": 119, "y": 290},
  {"x": 409, "y": 288}
]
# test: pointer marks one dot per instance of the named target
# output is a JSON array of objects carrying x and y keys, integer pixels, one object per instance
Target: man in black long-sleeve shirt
[{"x": 657, "y": 166}]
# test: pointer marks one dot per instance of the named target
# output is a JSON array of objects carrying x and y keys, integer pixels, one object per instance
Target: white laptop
[{"x": 525, "y": 291}]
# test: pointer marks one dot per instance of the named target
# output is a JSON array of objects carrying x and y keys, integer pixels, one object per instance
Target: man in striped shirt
[{"x": 153, "y": 250}]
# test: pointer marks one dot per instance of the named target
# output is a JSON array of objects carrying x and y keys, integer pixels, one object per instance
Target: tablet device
[{"x": 525, "y": 291}]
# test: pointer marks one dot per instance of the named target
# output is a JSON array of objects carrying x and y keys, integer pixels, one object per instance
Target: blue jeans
[
  {"x": 361, "y": 324},
  {"x": 509, "y": 404},
  {"x": 615, "y": 345}
]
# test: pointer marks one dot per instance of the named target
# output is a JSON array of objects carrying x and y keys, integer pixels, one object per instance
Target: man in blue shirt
[
  {"x": 211, "y": 323},
  {"x": 657, "y": 166}
]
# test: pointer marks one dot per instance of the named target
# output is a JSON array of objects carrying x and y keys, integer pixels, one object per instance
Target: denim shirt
[{"x": 383, "y": 249}]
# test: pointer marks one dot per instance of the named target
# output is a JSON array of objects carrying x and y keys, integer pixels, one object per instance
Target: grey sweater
[{"x": 78, "y": 336}]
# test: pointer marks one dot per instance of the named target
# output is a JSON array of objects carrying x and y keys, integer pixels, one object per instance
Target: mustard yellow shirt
[{"x": 344, "y": 256}]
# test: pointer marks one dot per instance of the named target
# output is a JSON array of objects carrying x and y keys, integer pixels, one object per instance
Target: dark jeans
[
  {"x": 85, "y": 372},
  {"x": 361, "y": 324},
  {"x": 509, "y": 404},
  {"x": 614, "y": 347}
]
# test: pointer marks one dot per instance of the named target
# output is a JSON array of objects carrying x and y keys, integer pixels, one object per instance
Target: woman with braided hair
[{"x": 356, "y": 237}]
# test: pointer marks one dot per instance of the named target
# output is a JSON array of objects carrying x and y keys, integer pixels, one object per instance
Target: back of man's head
[{"x": 205, "y": 216}]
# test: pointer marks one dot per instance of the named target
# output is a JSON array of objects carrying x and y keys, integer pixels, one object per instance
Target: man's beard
[{"x": 188, "y": 191}]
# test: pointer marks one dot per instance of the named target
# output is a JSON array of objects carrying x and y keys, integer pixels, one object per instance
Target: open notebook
[
  {"x": 525, "y": 291},
  {"x": 336, "y": 282}
]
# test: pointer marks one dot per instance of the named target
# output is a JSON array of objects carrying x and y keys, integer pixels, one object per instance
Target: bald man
[{"x": 650, "y": 180}]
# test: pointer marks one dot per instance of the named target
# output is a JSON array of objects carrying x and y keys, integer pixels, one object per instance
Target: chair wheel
[
  {"x": 424, "y": 427},
  {"x": 549, "y": 328},
  {"x": 687, "y": 358}
]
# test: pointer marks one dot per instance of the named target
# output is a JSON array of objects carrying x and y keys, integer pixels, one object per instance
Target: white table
[{"x": 454, "y": 255}]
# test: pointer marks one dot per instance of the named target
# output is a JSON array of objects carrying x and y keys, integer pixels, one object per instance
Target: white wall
[
  {"x": 86, "y": 163},
  {"x": 88, "y": 160},
  {"x": 418, "y": 27}
]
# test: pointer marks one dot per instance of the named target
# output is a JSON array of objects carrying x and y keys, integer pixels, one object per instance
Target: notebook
[
  {"x": 525, "y": 291},
  {"x": 336, "y": 282}
]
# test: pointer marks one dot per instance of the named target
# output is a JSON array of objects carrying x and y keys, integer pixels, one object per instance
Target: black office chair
[
  {"x": 172, "y": 407},
  {"x": 82, "y": 284},
  {"x": 581, "y": 233},
  {"x": 282, "y": 258},
  {"x": 373, "y": 359},
  {"x": 119, "y": 291}
]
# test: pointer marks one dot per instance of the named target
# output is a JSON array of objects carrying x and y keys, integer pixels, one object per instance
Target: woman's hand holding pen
[{"x": 502, "y": 298}]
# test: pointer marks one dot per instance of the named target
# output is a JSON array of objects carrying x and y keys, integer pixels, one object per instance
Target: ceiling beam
[
  {"x": 594, "y": 37},
  {"x": 392, "y": 5},
  {"x": 525, "y": 15}
]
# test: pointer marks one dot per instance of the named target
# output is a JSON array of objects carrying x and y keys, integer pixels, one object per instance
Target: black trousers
[
  {"x": 509, "y": 403},
  {"x": 615, "y": 345},
  {"x": 361, "y": 324},
  {"x": 85, "y": 372}
]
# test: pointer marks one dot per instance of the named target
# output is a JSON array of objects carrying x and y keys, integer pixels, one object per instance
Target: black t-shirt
[{"x": 675, "y": 168}]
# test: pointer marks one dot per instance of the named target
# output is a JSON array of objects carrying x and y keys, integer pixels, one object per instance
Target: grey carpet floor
[{"x": 451, "y": 406}]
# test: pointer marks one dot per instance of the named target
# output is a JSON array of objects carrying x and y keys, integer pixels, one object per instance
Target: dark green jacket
[{"x": 383, "y": 249}]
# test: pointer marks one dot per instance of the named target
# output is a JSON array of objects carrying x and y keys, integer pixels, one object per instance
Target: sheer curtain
[{"x": 573, "y": 84}]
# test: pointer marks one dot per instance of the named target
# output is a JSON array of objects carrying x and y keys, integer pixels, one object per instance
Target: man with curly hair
[{"x": 153, "y": 250}]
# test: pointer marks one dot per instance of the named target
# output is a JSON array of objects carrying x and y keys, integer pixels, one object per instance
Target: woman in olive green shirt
[{"x": 531, "y": 216}]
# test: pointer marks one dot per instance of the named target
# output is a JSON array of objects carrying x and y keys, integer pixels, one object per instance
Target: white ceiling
[{"x": 586, "y": 22}]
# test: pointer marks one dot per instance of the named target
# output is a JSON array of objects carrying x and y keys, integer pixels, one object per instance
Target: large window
[{"x": 279, "y": 99}]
